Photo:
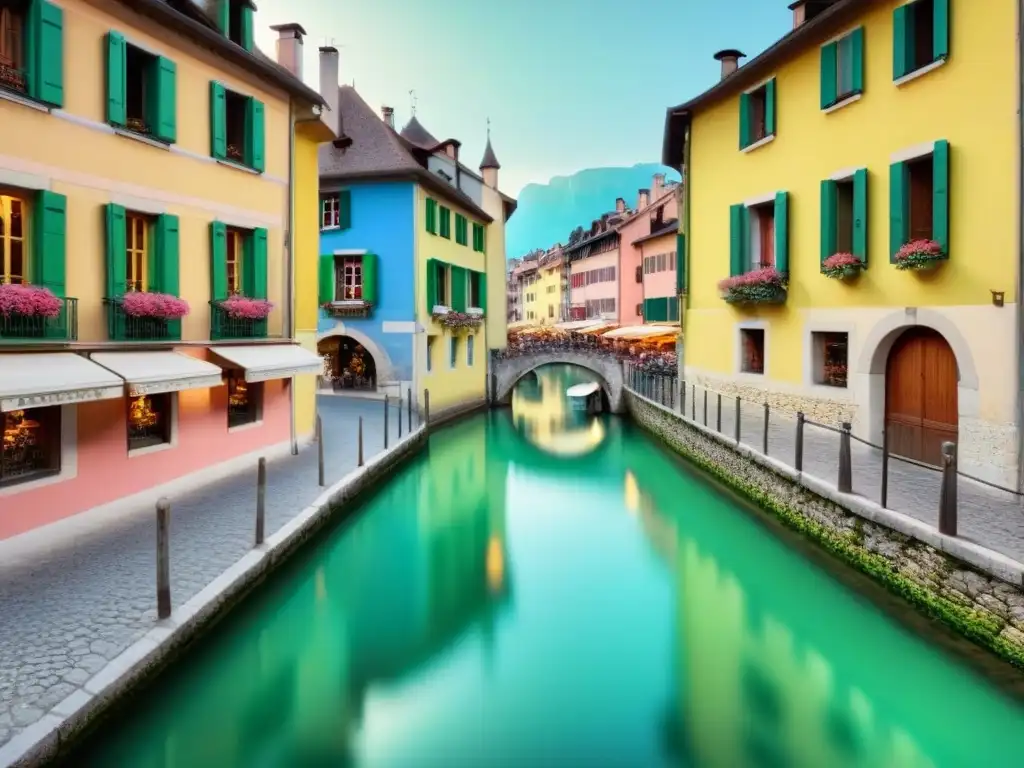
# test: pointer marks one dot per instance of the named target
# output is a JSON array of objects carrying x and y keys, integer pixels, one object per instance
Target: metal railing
[
  {"x": 124, "y": 327},
  {"x": 785, "y": 437},
  {"x": 28, "y": 328},
  {"x": 224, "y": 326}
]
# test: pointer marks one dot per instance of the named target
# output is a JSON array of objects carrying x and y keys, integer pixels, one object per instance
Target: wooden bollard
[
  {"x": 426, "y": 408},
  {"x": 948, "y": 491},
  {"x": 705, "y": 406},
  {"x": 320, "y": 450},
  {"x": 718, "y": 418},
  {"x": 385, "y": 422},
  {"x": 261, "y": 498},
  {"x": 799, "y": 457},
  {"x": 163, "y": 558},
  {"x": 737, "y": 426},
  {"x": 845, "y": 479},
  {"x": 408, "y": 397},
  {"x": 359, "y": 443},
  {"x": 399, "y": 418},
  {"x": 682, "y": 398},
  {"x": 883, "y": 495},
  {"x": 764, "y": 438}
]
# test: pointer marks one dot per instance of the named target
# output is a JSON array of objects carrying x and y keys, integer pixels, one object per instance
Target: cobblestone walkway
[
  {"x": 66, "y": 615},
  {"x": 989, "y": 517}
]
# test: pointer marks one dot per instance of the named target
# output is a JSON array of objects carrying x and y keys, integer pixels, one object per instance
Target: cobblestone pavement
[
  {"x": 63, "y": 617},
  {"x": 989, "y": 517}
]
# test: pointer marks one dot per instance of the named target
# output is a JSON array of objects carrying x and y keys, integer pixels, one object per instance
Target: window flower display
[
  {"x": 919, "y": 255},
  {"x": 761, "y": 286},
  {"x": 159, "y": 305},
  {"x": 244, "y": 308},
  {"x": 28, "y": 301},
  {"x": 842, "y": 266}
]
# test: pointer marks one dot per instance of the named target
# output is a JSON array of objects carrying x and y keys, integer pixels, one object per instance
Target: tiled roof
[
  {"x": 490, "y": 159},
  {"x": 418, "y": 135}
]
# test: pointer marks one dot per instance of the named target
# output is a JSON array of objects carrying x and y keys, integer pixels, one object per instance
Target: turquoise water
[{"x": 546, "y": 589}]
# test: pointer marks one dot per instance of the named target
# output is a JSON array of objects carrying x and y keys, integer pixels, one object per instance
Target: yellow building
[
  {"x": 549, "y": 288},
  {"x": 145, "y": 189},
  {"x": 840, "y": 139}
]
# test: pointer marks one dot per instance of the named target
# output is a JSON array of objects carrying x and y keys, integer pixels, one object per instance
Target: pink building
[
  {"x": 594, "y": 268},
  {"x": 655, "y": 208}
]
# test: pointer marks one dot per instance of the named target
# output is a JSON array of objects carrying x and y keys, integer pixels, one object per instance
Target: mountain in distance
[{"x": 547, "y": 213}]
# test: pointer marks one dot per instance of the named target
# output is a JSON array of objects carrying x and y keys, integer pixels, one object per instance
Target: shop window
[
  {"x": 348, "y": 275},
  {"x": 235, "y": 108},
  {"x": 13, "y": 234},
  {"x": 762, "y": 235},
  {"x": 31, "y": 445},
  {"x": 245, "y": 401},
  {"x": 12, "y": 49},
  {"x": 830, "y": 358},
  {"x": 137, "y": 229},
  {"x": 149, "y": 420},
  {"x": 752, "y": 350}
]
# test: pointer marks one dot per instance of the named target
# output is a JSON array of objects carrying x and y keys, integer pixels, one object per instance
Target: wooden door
[{"x": 921, "y": 395}]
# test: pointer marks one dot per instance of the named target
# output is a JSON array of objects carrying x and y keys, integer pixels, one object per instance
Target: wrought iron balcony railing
[
  {"x": 224, "y": 326},
  {"x": 124, "y": 327},
  {"x": 63, "y": 327},
  {"x": 12, "y": 78}
]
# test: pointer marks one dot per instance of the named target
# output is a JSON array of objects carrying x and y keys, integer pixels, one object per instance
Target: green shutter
[
  {"x": 769, "y": 108},
  {"x": 48, "y": 49},
  {"x": 782, "y": 232},
  {"x": 940, "y": 29},
  {"x": 255, "y": 272},
  {"x": 446, "y": 222},
  {"x": 860, "y": 215},
  {"x": 370, "y": 277},
  {"x": 431, "y": 216},
  {"x": 857, "y": 59},
  {"x": 482, "y": 287},
  {"x": 224, "y": 16},
  {"x": 744, "y": 119},
  {"x": 738, "y": 233},
  {"x": 247, "y": 27},
  {"x": 117, "y": 249},
  {"x": 164, "y": 100},
  {"x": 325, "y": 278},
  {"x": 218, "y": 260},
  {"x": 218, "y": 121},
  {"x": 829, "y": 209},
  {"x": 483, "y": 239},
  {"x": 897, "y": 208},
  {"x": 50, "y": 241},
  {"x": 256, "y": 135},
  {"x": 680, "y": 263},
  {"x": 829, "y": 74},
  {"x": 344, "y": 209},
  {"x": 940, "y": 194},
  {"x": 902, "y": 23},
  {"x": 431, "y": 284},
  {"x": 461, "y": 235},
  {"x": 166, "y": 276},
  {"x": 117, "y": 74},
  {"x": 673, "y": 309},
  {"x": 458, "y": 302}
]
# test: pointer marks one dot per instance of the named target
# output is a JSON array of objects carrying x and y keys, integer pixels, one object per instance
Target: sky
[{"x": 567, "y": 84}]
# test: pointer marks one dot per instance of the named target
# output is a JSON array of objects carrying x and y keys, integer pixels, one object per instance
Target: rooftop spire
[{"x": 490, "y": 159}]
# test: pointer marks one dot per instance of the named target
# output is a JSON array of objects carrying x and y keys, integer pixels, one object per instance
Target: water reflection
[{"x": 545, "y": 417}]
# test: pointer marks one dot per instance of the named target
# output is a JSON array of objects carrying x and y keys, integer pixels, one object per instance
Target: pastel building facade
[
  {"x": 838, "y": 138},
  {"x": 594, "y": 272},
  {"x": 406, "y": 239},
  {"x": 121, "y": 207}
]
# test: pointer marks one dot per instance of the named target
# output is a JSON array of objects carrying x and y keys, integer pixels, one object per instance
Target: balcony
[
  {"x": 29, "y": 328},
  {"x": 12, "y": 78},
  {"x": 224, "y": 326},
  {"x": 124, "y": 327}
]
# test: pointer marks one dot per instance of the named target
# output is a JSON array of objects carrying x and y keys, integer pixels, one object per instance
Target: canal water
[{"x": 544, "y": 588}]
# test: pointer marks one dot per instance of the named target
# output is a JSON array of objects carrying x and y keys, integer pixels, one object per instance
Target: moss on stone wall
[{"x": 987, "y": 611}]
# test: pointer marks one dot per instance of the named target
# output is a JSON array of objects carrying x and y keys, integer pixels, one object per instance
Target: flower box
[
  {"x": 842, "y": 266},
  {"x": 28, "y": 301},
  {"x": 762, "y": 286},
  {"x": 161, "y": 306},
  {"x": 919, "y": 255},
  {"x": 458, "y": 321},
  {"x": 244, "y": 308},
  {"x": 347, "y": 308},
  {"x": 475, "y": 311},
  {"x": 439, "y": 309}
]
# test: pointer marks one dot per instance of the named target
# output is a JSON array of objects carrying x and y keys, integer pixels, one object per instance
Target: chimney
[
  {"x": 799, "y": 9},
  {"x": 620, "y": 205},
  {"x": 329, "y": 84},
  {"x": 387, "y": 114},
  {"x": 805, "y": 10},
  {"x": 730, "y": 59},
  {"x": 449, "y": 150},
  {"x": 657, "y": 186},
  {"x": 289, "y": 47},
  {"x": 643, "y": 199}
]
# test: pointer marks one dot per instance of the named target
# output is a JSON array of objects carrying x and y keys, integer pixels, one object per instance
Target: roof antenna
[
  {"x": 488, "y": 128},
  {"x": 412, "y": 99}
]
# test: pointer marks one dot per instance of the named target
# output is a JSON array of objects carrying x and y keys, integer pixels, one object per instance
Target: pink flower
[
  {"x": 920, "y": 248},
  {"x": 28, "y": 300},
  {"x": 841, "y": 260},
  {"x": 160, "y": 305},
  {"x": 763, "y": 276},
  {"x": 242, "y": 307}
]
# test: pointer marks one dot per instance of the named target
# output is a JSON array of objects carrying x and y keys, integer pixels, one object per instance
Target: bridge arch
[{"x": 509, "y": 371}]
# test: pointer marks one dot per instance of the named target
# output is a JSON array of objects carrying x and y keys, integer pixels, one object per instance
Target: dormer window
[{"x": 236, "y": 22}]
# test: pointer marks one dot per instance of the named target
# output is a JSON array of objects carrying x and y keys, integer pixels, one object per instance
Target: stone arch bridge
[{"x": 508, "y": 371}]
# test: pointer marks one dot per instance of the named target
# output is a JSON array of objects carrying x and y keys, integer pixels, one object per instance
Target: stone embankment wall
[{"x": 983, "y": 607}]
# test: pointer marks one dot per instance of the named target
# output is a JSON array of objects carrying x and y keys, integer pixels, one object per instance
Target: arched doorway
[
  {"x": 349, "y": 364},
  {"x": 921, "y": 409}
]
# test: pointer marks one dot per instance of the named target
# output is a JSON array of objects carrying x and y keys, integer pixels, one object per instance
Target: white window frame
[
  {"x": 68, "y": 455},
  {"x": 330, "y": 215}
]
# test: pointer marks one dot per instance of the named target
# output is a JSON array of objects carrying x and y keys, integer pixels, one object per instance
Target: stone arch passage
[
  {"x": 381, "y": 360},
  {"x": 510, "y": 370}
]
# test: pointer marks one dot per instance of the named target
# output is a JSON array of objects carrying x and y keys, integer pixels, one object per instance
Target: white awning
[
  {"x": 33, "y": 380},
  {"x": 148, "y": 373},
  {"x": 641, "y": 331},
  {"x": 271, "y": 361}
]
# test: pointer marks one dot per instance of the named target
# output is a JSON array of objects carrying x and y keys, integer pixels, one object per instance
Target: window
[
  {"x": 329, "y": 212},
  {"x": 141, "y": 90},
  {"x": 430, "y": 352},
  {"x": 921, "y": 35},
  {"x": 758, "y": 235},
  {"x": 12, "y": 46},
  {"x": 234, "y": 258},
  {"x": 237, "y": 128},
  {"x": 752, "y": 350},
  {"x": 640, "y": 310},
  {"x": 844, "y": 205},
  {"x": 446, "y": 222},
  {"x": 596, "y": 307},
  {"x": 842, "y": 68},
  {"x": 138, "y": 65},
  {"x": 13, "y": 235},
  {"x": 245, "y": 400},
  {"x": 757, "y": 114},
  {"x": 149, "y": 420},
  {"x": 475, "y": 297},
  {"x": 236, "y": 22},
  {"x": 551, "y": 310},
  {"x": 461, "y": 229},
  {"x": 32, "y": 41},
  {"x": 31, "y": 444},
  {"x": 919, "y": 199},
  {"x": 762, "y": 236},
  {"x": 479, "y": 238},
  {"x": 830, "y": 358},
  {"x": 236, "y": 105},
  {"x": 921, "y": 182},
  {"x": 441, "y": 271},
  {"x": 137, "y": 229},
  {"x": 348, "y": 278},
  {"x": 431, "y": 216},
  {"x": 453, "y": 346},
  {"x": 470, "y": 341}
]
